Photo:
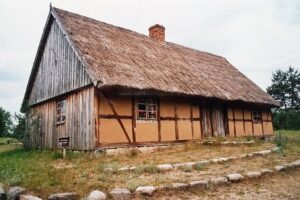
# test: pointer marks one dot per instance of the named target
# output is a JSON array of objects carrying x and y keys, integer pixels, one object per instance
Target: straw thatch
[{"x": 117, "y": 57}]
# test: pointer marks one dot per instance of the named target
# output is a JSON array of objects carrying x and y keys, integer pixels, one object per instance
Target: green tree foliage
[
  {"x": 6, "y": 123},
  {"x": 285, "y": 89}
]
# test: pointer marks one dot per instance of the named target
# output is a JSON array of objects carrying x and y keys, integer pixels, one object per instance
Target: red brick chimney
[{"x": 157, "y": 32}]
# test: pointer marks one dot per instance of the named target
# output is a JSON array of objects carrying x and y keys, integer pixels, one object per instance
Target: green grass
[
  {"x": 7, "y": 140},
  {"x": 44, "y": 172}
]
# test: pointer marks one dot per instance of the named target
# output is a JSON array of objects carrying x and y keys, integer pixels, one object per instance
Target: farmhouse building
[{"x": 102, "y": 85}]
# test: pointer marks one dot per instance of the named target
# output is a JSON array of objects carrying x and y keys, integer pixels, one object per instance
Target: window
[
  {"x": 256, "y": 116},
  {"x": 60, "y": 111},
  {"x": 147, "y": 109}
]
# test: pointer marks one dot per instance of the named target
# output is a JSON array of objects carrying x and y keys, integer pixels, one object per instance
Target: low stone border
[
  {"x": 168, "y": 167},
  {"x": 124, "y": 194}
]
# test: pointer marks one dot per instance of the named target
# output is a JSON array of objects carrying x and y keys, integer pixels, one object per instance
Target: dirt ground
[{"x": 284, "y": 185}]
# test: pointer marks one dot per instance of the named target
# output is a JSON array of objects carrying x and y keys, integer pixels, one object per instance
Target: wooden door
[
  {"x": 213, "y": 119},
  {"x": 206, "y": 120}
]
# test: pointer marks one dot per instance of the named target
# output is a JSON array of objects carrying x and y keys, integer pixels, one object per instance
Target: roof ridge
[{"x": 140, "y": 34}]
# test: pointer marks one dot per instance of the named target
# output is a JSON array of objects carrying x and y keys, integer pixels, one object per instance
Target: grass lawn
[{"x": 44, "y": 172}]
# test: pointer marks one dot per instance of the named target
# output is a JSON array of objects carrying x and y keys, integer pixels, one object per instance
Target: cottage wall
[
  {"x": 178, "y": 120},
  {"x": 80, "y": 123}
]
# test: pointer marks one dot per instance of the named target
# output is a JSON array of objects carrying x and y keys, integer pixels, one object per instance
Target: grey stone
[
  {"x": 123, "y": 169},
  {"x": 63, "y": 196},
  {"x": 164, "y": 167},
  {"x": 280, "y": 168},
  {"x": 219, "y": 180},
  {"x": 96, "y": 195},
  {"x": 180, "y": 186},
  {"x": 296, "y": 163},
  {"x": 235, "y": 177},
  {"x": 276, "y": 149},
  {"x": 253, "y": 174},
  {"x": 133, "y": 168},
  {"x": 262, "y": 153},
  {"x": 178, "y": 165},
  {"x": 243, "y": 156},
  {"x": 2, "y": 193},
  {"x": 223, "y": 159},
  {"x": 189, "y": 164},
  {"x": 14, "y": 193},
  {"x": 29, "y": 197},
  {"x": 203, "y": 162},
  {"x": 199, "y": 184},
  {"x": 266, "y": 171},
  {"x": 232, "y": 158},
  {"x": 145, "y": 190},
  {"x": 120, "y": 194},
  {"x": 108, "y": 169}
]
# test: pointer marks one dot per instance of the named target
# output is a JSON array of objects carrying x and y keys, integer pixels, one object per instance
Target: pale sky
[{"x": 256, "y": 36}]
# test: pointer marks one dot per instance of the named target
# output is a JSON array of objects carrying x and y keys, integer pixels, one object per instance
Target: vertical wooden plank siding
[
  {"x": 234, "y": 126},
  {"x": 59, "y": 70},
  {"x": 252, "y": 123},
  {"x": 158, "y": 119},
  {"x": 176, "y": 120},
  {"x": 262, "y": 124},
  {"x": 79, "y": 124},
  {"x": 192, "y": 118},
  {"x": 243, "y": 111},
  {"x": 133, "y": 118},
  {"x": 201, "y": 119}
]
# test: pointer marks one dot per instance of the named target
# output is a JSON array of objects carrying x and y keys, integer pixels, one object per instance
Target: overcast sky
[{"x": 256, "y": 36}]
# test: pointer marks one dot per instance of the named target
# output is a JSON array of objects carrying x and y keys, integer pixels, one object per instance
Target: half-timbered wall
[
  {"x": 241, "y": 122},
  {"x": 176, "y": 120},
  {"x": 59, "y": 70},
  {"x": 80, "y": 123}
]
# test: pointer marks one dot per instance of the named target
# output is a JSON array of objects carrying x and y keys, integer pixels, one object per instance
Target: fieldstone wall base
[
  {"x": 253, "y": 174},
  {"x": 64, "y": 196},
  {"x": 235, "y": 177},
  {"x": 29, "y": 197},
  {"x": 219, "y": 181},
  {"x": 14, "y": 193},
  {"x": 145, "y": 190},
  {"x": 96, "y": 195},
  {"x": 199, "y": 184},
  {"x": 180, "y": 186},
  {"x": 120, "y": 194}
]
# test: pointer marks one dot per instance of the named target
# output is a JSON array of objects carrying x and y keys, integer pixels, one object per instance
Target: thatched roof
[{"x": 117, "y": 57}]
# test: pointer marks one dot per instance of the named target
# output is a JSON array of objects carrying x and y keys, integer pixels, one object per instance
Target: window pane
[
  {"x": 152, "y": 115},
  {"x": 151, "y": 107},
  {"x": 142, "y": 106},
  {"x": 142, "y": 115}
]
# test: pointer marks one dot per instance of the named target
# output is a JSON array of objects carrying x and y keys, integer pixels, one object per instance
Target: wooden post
[
  {"x": 192, "y": 117},
  {"x": 201, "y": 118},
  {"x": 158, "y": 119},
  {"x": 133, "y": 122},
  {"x": 262, "y": 123},
  {"x": 244, "y": 121},
  {"x": 176, "y": 120},
  {"x": 252, "y": 123},
  {"x": 233, "y": 114},
  {"x": 64, "y": 153}
]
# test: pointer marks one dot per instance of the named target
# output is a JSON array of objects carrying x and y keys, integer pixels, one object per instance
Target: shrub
[
  {"x": 198, "y": 166},
  {"x": 55, "y": 155},
  {"x": 134, "y": 152},
  {"x": 281, "y": 140},
  {"x": 186, "y": 168}
]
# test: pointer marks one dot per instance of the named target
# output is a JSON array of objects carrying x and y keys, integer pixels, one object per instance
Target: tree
[
  {"x": 6, "y": 123},
  {"x": 285, "y": 89}
]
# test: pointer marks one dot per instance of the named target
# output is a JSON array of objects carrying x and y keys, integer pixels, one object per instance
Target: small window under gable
[
  {"x": 61, "y": 111},
  {"x": 147, "y": 109},
  {"x": 256, "y": 116}
]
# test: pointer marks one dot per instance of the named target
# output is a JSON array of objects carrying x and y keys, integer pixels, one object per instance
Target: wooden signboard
[{"x": 64, "y": 141}]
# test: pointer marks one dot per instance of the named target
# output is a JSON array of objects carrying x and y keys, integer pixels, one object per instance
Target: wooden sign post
[{"x": 64, "y": 142}]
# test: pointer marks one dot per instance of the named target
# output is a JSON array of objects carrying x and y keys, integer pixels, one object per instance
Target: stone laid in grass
[
  {"x": 254, "y": 174},
  {"x": 145, "y": 190},
  {"x": 219, "y": 181},
  {"x": 199, "y": 184},
  {"x": 178, "y": 165},
  {"x": 124, "y": 169},
  {"x": 262, "y": 153},
  {"x": 280, "y": 168},
  {"x": 296, "y": 163},
  {"x": 266, "y": 171},
  {"x": 164, "y": 167},
  {"x": 29, "y": 197},
  {"x": 120, "y": 194},
  {"x": 180, "y": 186},
  {"x": 64, "y": 196},
  {"x": 14, "y": 193},
  {"x": 96, "y": 195},
  {"x": 235, "y": 177}
]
